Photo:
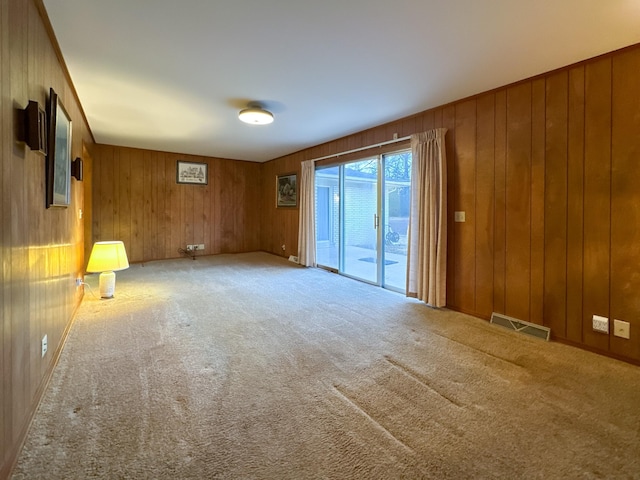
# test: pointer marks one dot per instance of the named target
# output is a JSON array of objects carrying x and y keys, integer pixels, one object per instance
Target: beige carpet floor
[{"x": 249, "y": 367}]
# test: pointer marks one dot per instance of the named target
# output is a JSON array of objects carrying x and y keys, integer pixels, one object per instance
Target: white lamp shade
[
  {"x": 108, "y": 257},
  {"x": 255, "y": 116}
]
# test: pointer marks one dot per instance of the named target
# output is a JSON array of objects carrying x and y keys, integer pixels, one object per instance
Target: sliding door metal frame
[
  {"x": 380, "y": 230},
  {"x": 341, "y": 235}
]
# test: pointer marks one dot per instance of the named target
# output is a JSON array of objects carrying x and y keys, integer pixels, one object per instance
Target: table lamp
[{"x": 107, "y": 258}]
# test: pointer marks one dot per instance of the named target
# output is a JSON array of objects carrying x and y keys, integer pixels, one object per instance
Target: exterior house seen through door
[{"x": 362, "y": 218}]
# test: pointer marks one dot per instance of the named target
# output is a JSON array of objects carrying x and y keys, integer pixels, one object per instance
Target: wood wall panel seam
[
  {"x": 575, "y": 204},
  {"x": 538, "y": 99},
  {"x": 597, "y": 199},
  {"x": 500, "y": 133}
]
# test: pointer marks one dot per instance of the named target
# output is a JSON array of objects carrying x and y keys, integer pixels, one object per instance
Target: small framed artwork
[
  {"x": 192, "y": 173},
  {"x": 58, "y": 173},
  {"x": 286, "y": 190}
]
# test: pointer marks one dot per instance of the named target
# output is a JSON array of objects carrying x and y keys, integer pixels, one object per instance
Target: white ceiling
[{"x": 172, "y": 75}]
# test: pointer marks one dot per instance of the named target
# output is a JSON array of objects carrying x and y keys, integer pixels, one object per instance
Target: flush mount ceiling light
[{"x": 255, "y": 115}]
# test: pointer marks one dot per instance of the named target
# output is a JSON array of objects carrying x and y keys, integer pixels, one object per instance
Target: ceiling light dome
[{"x": 255, "y": 115}]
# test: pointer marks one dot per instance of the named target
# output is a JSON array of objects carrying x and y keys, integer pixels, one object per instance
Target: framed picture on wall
[
  {"x": 58, "y": 163},
  {"x": 286, "y": 190},
  {"x": 192, "y": 173}
]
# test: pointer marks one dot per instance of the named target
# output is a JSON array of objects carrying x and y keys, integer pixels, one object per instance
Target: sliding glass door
[
  {"x": 328, "y": 217},
  {"x": 362, "y": 216},
  {"x": 360, "y": 220},
  {"x": 395, "y": 209}
]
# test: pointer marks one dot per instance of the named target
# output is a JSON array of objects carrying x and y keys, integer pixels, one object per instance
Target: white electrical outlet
[
  {"x": 283, "y": 247},
  {"x": 44, "y": 345},
  {"x": 78, "y": 281},
  {"x": 200, "y": 246},
  {"x": 600, "y": 324},
  {"x": 460, "y": 217},
  {"x": 190, "y": 248},
  {"x": 621, "y": 328}
]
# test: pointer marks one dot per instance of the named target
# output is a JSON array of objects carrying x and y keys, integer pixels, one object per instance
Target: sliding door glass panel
[
  {"x": 360, "y": 218},
  {"x": 396, "y": 203},
  {"x": 327, "y": 217}
]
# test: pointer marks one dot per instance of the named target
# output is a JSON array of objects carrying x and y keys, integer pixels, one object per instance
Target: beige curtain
[
  {"x": 427, "y": 249},
  {"x": 307, "y": 210}
]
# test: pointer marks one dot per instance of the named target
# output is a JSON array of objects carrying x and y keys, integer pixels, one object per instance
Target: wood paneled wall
[
  {"x": 547, "y": 173},
  {"x": 279, "y": 225},
  {"x": 136, "y": 199},
  {"x": 41, "y": 249}
]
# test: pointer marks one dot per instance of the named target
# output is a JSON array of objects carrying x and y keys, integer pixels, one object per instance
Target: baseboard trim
[
  {"x": 556, "y": 338},
  {"x": 14, "y": 453},
  {"x": 604, "y": 353}
]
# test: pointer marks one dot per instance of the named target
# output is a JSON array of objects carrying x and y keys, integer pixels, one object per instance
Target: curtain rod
[{"x": 381, "y": 144}]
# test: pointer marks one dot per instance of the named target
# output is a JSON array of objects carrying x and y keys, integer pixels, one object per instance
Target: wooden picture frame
[
  {"x": 58, "y": 169},
  {"x": 192, "y": 173},
  {"x": 287, "y": 190}
]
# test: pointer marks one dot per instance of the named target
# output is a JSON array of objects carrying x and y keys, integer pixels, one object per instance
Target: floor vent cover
[{"x": 531, "y": 329}]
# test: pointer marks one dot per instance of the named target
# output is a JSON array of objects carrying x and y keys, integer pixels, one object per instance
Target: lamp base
[{"x": 107, "y": 284}]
